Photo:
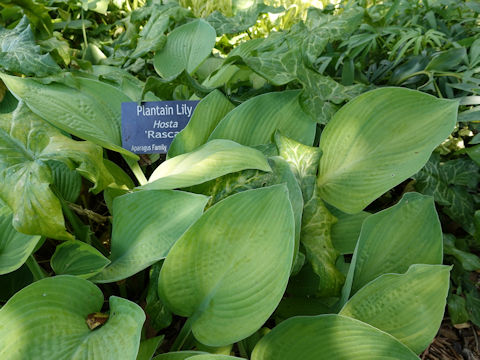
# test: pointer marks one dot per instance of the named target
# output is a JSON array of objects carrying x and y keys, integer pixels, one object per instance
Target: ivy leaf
[
  {"x": 449, "y": 183},
  {"x": 242, "y": 20},
  {"x": 27, "y": 143},
  {"x": 19, "y": 53}
]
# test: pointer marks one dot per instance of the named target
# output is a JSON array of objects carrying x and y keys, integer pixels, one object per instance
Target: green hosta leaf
[
  {"x": 187, "y": 47},
  {"x": 91, "y": 111},
  {"x": 409, "y": 306},
  {"x": 329, "y": 337},
  {"x": 77, "y": 258},
  {"x": 47, "y": 320},
  {"x": 346, "y": 230},
  {"x": 303, "y": 161},
  {"x": 145, "y": 226},
  {"x": 245, "y": 262},
  {"x": 177, "y": 355},
  {"x": 15, "y": 247},
  {"x": 315, "y": 237},
  {"x": 449, "y": 183},
  {"x": 207, "y": 162},
  {"x": 20, "y": 54},
  {"x": 378, "y": 140},
  {"x": 26, "y": 144},
  {"x": 255, "y": 121},
  {"x": 67, "y": 182},
  {"x": 281, "y": 173},
  {"x": 393, "y": 239},
  {"x": 242, "y": 20},
  {"x": 205, "y": 118}
]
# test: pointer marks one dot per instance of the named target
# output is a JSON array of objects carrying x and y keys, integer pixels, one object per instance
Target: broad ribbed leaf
[
  {"x": 281, "y": 173},
  {"x": 47, "y": 320},
  {"x": 329, "y": 337},
  {"x": 255, "y": 121},
  {"x": 229, "y": 270},
  {"x": 90, "y": 111},
  {"x": 187, "y": 47},
  {"x": 67, "y": 182},
  {"x": 77, "y": 258},
  {"x": 378, "y": 140},
  {"x": 20, "y": 54},
  {"x": 204, "y": 119},
  {"x": 410, "y": 306},
  {"x": 15, "y": 247},
  {"x": 27, "y": 143},
  {"x": 393, "y": 239},
  {"x": 209, "y": 161},
  {"x": 145, "y": 226},
  {"x": 346, "y": 230}
]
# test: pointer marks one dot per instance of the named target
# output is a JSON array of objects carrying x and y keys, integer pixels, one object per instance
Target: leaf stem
[
  {"x": 242, "y": 349},
  {"x": 182, "y": 336},
  {"x": 37, "y": 272},
  {"x": 84, "y": 33},
  {"x": 137, "y": 170}
]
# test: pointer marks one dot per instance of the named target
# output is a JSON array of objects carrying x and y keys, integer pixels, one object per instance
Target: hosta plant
[{"x": 244, "y": 226}]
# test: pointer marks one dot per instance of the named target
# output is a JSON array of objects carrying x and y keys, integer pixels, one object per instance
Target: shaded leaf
[{"x": 26, "y": 144}]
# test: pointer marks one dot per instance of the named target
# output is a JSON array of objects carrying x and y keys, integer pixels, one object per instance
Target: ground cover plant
[{"x": 322, "y": 202}]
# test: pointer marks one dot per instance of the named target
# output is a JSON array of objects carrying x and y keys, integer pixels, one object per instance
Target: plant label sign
[{"x": 151, "y": 126}]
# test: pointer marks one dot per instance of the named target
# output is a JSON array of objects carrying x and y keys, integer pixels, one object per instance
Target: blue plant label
[{"x": 151, "y": 126}]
